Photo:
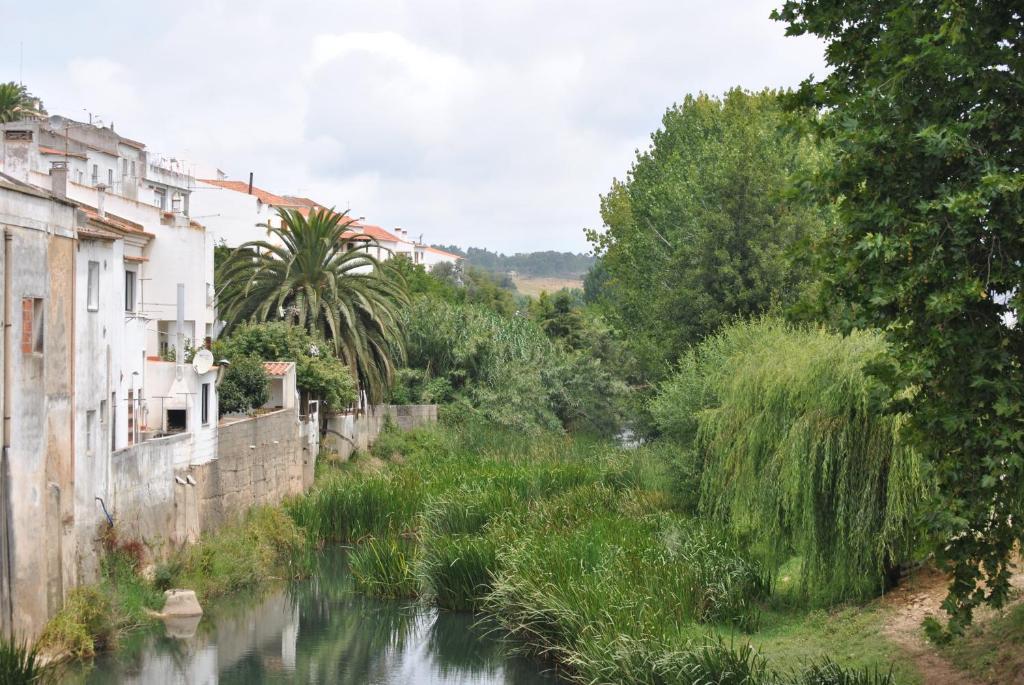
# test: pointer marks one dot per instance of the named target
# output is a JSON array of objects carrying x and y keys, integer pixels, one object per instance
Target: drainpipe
[{"x": 8, "y": 371}]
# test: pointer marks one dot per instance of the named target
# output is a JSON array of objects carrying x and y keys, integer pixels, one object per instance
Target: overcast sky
[{"x": 493, "y": 123}]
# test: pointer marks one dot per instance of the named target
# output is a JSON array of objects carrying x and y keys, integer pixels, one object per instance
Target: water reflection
[{"x": 319, "y": 631}]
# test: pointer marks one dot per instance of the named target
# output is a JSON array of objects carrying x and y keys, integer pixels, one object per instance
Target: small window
[
  {"x": 93, "y": 293},
  {"x": 206, "y": 404},
  {"x": 124, "y": 167},
  {"x": 110, "y": 177},
  {"x": 133, "y": 168},
  {"x": 32, "y": 325},
  {"x": 25, "y": 136},
  {"x": 90, "y": 432},
  {"x": 129, "y": 291},
  {"x": 79, "y": 176},
  {"x": 160, "y": 199},
  {"x": 95, "y": 174}
]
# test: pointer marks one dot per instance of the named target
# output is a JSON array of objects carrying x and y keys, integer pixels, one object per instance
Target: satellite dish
[{"x": 203, "y": 361}]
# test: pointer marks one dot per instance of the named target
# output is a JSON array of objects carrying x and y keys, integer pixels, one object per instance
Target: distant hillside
[{"x": 549, "y": 264}]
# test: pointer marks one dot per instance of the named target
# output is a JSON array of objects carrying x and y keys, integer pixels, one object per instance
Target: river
[{"x": 317, "y": 631}]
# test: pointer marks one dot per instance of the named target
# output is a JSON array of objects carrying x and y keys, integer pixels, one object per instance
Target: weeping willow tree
[
  {"x": 305, "y": 274},
  {"x": 799, "y": 453}
]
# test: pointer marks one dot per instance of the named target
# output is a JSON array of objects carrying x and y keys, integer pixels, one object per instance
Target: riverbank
[{"x": 574, "y": 547}]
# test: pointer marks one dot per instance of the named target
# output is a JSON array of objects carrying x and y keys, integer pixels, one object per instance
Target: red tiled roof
[
  {"x": 113, "y": 221},
  {"x": 441, "y": 252},
  {"x": 277, "y": 368},
  {"x": 262, "y": 195},
  {"x": 54, "y": 151},
  {"x": 376, "y": 232}
]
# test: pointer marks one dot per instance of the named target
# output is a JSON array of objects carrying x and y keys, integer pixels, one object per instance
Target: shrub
[
  {"x": 245, "y": 386},
  {"x": 828, "y": 672}
]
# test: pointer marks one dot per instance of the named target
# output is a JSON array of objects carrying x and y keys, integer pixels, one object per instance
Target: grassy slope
[
  {"x": 535, "y": 285},
  {"x": 993, "y": 651}
]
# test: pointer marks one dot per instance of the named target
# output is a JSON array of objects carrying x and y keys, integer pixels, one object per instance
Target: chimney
[
  {"x": 250, "y": 183},
  {"x": 101, "y": 197},
  {"x": 59, "y": 178}
]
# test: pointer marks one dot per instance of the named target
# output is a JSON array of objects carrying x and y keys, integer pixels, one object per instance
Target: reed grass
[
  {"x": 455, "y": 571},
  {"x": 383, "y": 567},
  {"x": 20, "y": 665}
]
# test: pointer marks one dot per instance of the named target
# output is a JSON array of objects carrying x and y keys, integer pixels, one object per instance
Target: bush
[
  {"x": 245, "y": 386},
  {"x": 317, "y": 371},
  {"x": 82, "y": 626}
]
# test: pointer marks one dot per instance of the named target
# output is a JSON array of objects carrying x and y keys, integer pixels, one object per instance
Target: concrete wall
[
  {"x": 347, "y": 433},
  {"x": 36, "y": 475},
  {"x": 259, "y": 461}
]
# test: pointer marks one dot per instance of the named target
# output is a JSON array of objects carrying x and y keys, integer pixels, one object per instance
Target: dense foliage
[
  {"x": 318, "y": 373},
  {"x": 703, "y": 228},
  {"x": 245, "y": 386},
  {"x": 924, "y": 105},
  {"x": 504, "y": 368},
  {"x": 793, "y": 448},
  {"x": 306, "y": 275}
]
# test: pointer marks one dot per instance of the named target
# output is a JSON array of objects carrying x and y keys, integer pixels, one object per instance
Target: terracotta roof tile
[
  {"x": 277, "y": 368},
  {"x": 54, "y": 151},
  {"x": 264, "y": 196}
]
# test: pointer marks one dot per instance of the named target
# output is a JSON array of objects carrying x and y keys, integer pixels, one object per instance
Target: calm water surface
[{"x": 318, "y": 631}]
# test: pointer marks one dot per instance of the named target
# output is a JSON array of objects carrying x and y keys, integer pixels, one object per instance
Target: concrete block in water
[{"x": 180, "y": 603}]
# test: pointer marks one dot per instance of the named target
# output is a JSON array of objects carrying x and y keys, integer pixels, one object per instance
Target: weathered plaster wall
[
  {"x": 259, "y": 461},
  {"x": 347, "y": 433}
]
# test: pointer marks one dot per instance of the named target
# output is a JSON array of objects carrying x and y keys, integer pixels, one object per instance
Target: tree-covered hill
[{"x": 541, "y": 264}]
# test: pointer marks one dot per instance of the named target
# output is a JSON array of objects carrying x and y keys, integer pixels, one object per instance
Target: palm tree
[
  {"x": 16, "y": 103},
  {"x": 312, "y": 279}
]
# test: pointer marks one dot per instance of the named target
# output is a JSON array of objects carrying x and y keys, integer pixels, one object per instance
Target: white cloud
[{"x": 493, "y": 124}]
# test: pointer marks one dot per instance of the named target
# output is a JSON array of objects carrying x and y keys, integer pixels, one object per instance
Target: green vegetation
[
  {"x": 993, "y": 652},
  {"x": 574, "y": 547},
  {"x": 506, "y": 370},
  {"x": 793, "y": 448},
  {"x": 704, "y": 228},
  {"x": 17, "y": 103},
  {"x": 265, "y": 545},
  {"x": 245, "y": 386},
  {"x": 318, "y": 374},
  {"x": 547, "y": 263},
  {"x": 922, "y": 105},
  {"x": 307, "y": 276},
  {"x": 19, "y": 664}
]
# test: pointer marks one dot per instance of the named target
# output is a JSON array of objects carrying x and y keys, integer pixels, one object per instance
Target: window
[
  {"x": 133, "y": 168},
  {"x": 129, "y": 291},
  {"x": 124, "y": 167},
  {"x": 95, "y": 174},
  {"x": 93, "y": 292},
  {"x": 206, "y": 404},
  {"x": 25, "y": 136},
  {"x": 79, "y": 176},
  {"x": 110, "y": 177},
  {"x": 32, "y": 325},
  {"x": 90, "y": 432},
  {"x": 160, "y": 199}
]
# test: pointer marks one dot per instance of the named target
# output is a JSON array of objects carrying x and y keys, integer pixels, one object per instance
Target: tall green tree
[
  {"x": 17, "y": 103},
  {"x": 308, "y": 277},
  {"x": 924, "y": 106},
  {"x": 701, "y": 229}
]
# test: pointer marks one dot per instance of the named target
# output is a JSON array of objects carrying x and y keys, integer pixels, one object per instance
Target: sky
[{"x": 491, "y": 123}]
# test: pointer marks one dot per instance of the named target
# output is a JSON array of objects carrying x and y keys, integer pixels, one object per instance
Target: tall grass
[
  {"x": 20, "y": 665},
  {"x": 383, "y": 567},
  {"x": 797, "y": 449}
]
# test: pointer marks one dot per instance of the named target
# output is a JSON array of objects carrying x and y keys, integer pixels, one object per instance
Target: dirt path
[{"x": 908, "y": 605}]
